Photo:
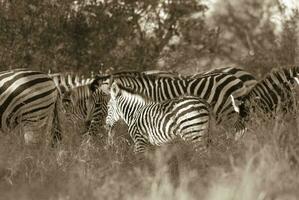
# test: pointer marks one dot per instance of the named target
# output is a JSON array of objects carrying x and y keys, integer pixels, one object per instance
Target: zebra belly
[
  {"x": 160, "y": 133},
  {"x": 152, "y": 127}
]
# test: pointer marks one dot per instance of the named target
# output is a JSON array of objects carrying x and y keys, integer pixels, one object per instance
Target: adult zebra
[
  {"x": 215, "y": 88},
  {"x": 273, "y": 94},
  {"x": 247, "y": 78},
  {"x": 67, "y": 81},
  {"x": 156, "y": 123},
  {"x": 31, "y": 100}
]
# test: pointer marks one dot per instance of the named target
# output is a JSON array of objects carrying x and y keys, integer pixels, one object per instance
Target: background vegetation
[
  {"x": 126, "y": 34},
  {"x": 181, "y": 35}
]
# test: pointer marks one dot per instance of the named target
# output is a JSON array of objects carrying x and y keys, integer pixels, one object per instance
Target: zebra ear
[
  {"x": 94, "y": 85},
  {"x": 98, "y": 81},
  {"x": 296, "y": 80}
]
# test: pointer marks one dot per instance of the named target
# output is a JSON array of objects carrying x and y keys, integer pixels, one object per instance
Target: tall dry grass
[{"x": 263, "y": 165}]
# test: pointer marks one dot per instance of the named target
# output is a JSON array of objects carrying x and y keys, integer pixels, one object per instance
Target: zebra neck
[{"x": 129, "y": 107}]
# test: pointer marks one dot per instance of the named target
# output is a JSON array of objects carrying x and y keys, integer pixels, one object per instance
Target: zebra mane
[
  {"x": 80, "y": 92},
  {"x": 290, "y": 73},
  {"x": 207, "y": 74},
  {"x": 149, "y": 75},
  {"x": 147, "y": 72}
]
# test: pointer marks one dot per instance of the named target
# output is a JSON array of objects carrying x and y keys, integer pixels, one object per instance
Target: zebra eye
[{"x": 114, "y": 90}]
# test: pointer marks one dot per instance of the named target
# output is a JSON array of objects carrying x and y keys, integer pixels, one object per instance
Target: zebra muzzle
[{"x": 107, "y": 127}]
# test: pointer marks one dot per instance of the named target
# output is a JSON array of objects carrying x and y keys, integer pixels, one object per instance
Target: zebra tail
[{"x": 56, "y": 128}]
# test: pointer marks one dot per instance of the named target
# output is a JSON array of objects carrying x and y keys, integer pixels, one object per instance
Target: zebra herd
[{"x": 158, "y": 106}]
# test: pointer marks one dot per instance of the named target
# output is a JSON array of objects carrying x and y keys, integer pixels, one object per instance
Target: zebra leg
[
  {"x": 110, "y": 137},
  {"x": 240, "y": 130},
  {"x": 56, "y": 123},
  {"x": 30, "y": 137},
  {"x": 140, "y": 142},
  {"x": 199, "y": 138},
  {"x": 94, "y": 127},
  {"x": 140, "y": 145},
  {"x": 36, "y": 132}
]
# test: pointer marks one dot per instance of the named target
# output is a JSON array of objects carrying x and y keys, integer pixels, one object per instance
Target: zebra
[
  {"x": 65, "y": 82},
  {"x": 273, "y": 94},
  {"x": 88, "y": 106},
  {"x": 156, "y": 123},
  {"x": 247, "y": 78},
  {"x": 81, "y": 104},
  {"x": 215, "y": 88},
  {"x": 31, "y": 100}
]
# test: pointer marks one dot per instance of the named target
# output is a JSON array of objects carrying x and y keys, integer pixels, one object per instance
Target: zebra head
[
  {"x": 78, "y": 102},
  {"x": 98, "y": 106},
  {"x": 114, "y": 113},
  {"x": 123, "y": 104}
]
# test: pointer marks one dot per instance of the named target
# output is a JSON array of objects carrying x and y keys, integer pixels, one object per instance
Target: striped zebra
[
  {"x": 156, "y": 123},
  {"x": 275, "y": 93},
  {"x": 215, "y": 88},
  {"x": 89, "y": 107},
  {"x": 28, "y": 99},
  {"x": 247, "y": 78},
  {"x": 67, "y": 81},
  {"x": 82, "y": 105}
]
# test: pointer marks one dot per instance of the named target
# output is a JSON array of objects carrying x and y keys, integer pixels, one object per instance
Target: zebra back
[
  {"x": 108, "y": 79},
  {"x": 65, "y": 82},
  {"x": 247, "y": 78}
]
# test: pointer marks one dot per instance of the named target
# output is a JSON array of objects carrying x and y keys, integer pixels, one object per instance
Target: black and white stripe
[
  {"x": 156, "y": 123},
  {"x": 275, "y": 93},
  {"x": 82, "y": 105},
  {"x": 27, "y": 98},
  {"x": 215, "y": 88},
  {"x": 87, "y": 106},
  {"x": 67, "y": 81},
  {"x": 247, "y": 78}
]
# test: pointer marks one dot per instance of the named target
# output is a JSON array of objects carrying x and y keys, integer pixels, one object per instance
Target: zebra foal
[
  {"x": 31, "y": 99},
  {"x": 84, "y": 107},
  {"x": 156, "y": 123},
  {"x": 87, "y": 106}
]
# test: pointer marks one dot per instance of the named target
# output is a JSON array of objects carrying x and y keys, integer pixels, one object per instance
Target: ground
[{"x": 262, "y": 165}]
